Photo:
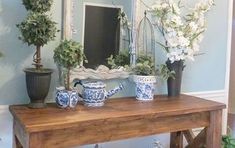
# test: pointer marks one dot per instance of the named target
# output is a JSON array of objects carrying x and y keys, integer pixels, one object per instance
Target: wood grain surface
[{"x": 119, "y": 118}]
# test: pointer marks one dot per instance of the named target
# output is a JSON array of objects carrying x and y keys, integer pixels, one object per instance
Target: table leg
[
  {"x": 16, "y": 143},
  {"x": 214, "y": 131},
  {"x": 176, "y": 140}
]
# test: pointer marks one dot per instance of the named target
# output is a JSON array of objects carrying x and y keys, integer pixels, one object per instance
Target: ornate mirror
[{"x": 104, "y": 28}]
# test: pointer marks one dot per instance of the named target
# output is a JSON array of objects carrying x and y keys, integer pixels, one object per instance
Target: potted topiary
[
  {"x": 68, "y": 55},
  {"x": 37, "y": 29},
  {"x": 144, "y": 78}
]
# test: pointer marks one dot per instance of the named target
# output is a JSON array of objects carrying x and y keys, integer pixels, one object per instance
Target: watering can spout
[{"x": 114, "y": 91}]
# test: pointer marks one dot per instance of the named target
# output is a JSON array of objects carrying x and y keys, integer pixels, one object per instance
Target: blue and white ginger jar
[{"x": 65, "y": 98}]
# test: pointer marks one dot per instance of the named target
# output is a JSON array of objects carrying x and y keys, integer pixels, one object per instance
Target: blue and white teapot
[{"x": 94, "y": 93}]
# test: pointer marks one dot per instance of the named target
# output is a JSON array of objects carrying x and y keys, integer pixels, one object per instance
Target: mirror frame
[{"x": 67, "y": 28}]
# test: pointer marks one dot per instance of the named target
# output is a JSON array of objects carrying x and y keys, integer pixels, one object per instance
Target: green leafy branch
[
  {"x": 165, "y": 73},
  {"x": 144, "y": 66},
  {"x": 122, "y": 59},
  {"x": 228, "y": 141}
]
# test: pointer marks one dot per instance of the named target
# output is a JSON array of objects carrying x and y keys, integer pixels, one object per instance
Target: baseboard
[
  {"x": 4, "y": 109},
  {"x": 217, "y": 95}
]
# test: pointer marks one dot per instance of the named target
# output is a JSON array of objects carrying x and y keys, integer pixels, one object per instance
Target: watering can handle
[
  {"x": 75, "y": 85},
  {"x": 78, "y": 82}
]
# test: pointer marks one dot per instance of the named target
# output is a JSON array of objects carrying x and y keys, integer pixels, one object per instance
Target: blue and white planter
[
  {"x": 65, "y": 98},
  {"x": 145, "y": 87}
]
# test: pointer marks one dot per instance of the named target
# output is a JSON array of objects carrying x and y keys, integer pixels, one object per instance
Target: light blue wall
[
  {"x": 207, "y": 73},
  {"x": 19, "y": 55}
]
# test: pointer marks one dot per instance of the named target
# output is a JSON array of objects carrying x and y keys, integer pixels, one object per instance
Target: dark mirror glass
[{"x": 102, "y": 34}]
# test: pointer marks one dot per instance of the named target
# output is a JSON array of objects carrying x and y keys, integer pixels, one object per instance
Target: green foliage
[
  {"x": 122, "y": 59},
  {"x": 38, "y": 5},
  {"x": 38, "y": 29},
  {"x": 1, "y": 55},
  {"x": 144, "y": 66},
  {"x": 165, "y": 73},
  {"x": 228, "y": 141},
  {"x": 69, "y": 54}
]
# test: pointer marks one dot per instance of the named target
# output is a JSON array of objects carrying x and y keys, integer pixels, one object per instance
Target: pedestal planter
[
  {"x": 174, "y": 84},
  {"x": 145, "y": 87},
  {"x": 66, "y": 98},
  {"x": 38, "y": 84}
]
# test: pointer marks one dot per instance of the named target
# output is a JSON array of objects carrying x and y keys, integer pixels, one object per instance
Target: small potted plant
[
  {"x": 121, "y": 59},
  {"x": 37, "y": 29},
  {"x": 68, "y": 55},
  {"x": 144, "y": 78}
]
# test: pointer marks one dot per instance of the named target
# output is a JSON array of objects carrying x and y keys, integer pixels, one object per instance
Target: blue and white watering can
[{"x": 94, "y": 93}]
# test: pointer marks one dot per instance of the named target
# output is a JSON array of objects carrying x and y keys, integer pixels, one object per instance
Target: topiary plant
[
  {"x": 69, "y": 55},
  {"x": 38, "y": 5},
  {"x": 38, "y": 28}
]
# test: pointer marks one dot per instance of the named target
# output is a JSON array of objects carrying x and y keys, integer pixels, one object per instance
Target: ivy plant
[
  {"x": 144, "y": 66},
  {"x": 228, "y": 142},
  {"x": 122, "y": 59},
  {"x": 69, "y": 55},
  {"x": 38, "y": 5},
  {"x": 165, "y": 73}
]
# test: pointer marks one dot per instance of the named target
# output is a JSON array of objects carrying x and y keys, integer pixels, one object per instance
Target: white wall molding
[
  {"x": 211, "y": 95},
  {"x": 4, "y": 108},
  {"x": 229, "y": 48}
]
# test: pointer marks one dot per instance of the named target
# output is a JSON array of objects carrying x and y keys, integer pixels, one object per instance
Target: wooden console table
[{"x": 119, "y": 119}]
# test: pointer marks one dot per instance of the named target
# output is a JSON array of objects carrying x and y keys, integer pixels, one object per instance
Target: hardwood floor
[{"x": 231, "y": 124}]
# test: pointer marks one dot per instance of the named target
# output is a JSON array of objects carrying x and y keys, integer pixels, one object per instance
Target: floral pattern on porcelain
[
  {"x": 145, "y": 87},
  {"x": 65, "y": 98},
  {"x": 94, "y": 93},
  {"x": 94, "y": 97}
]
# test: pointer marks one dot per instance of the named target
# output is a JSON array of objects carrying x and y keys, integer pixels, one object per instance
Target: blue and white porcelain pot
[
  {"x": 145, "y": 87},
  {"x": 66, "y": 98},
  {"x": 94, "y": 93}
]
